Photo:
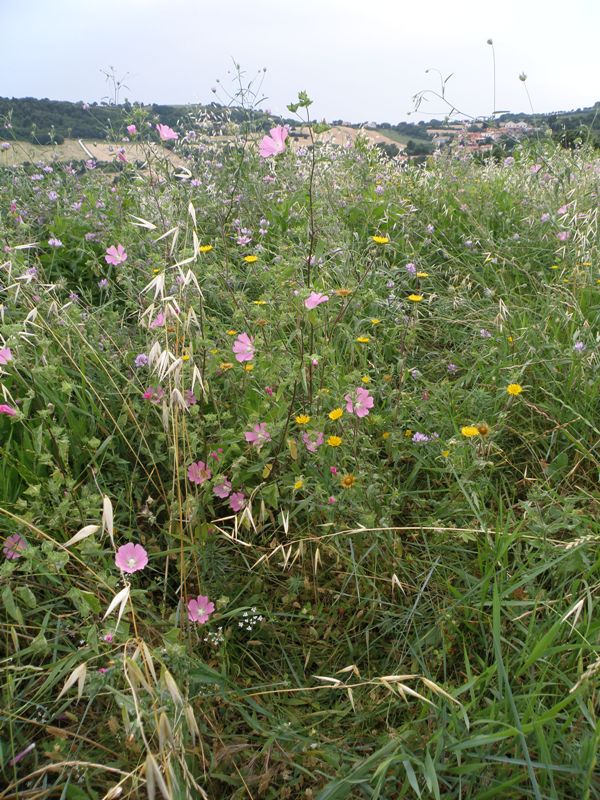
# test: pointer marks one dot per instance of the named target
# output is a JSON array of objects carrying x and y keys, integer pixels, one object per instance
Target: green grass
[
  {"x": 432, "y": 631},
  {"x": 401, "y": 138}
]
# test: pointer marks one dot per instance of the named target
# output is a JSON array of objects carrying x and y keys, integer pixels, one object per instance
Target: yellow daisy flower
[
  {"x": 250, "y": 259},
  {"x": 514, "y": 389},
  {"x": 302, "y": 419},
  {"x": 469, "y": 430},
  {"x": 348, "y": 481},
  {"x": 205, "y": 248},
  {"x": 335, "y": 414},
  {"x": 299, "y": 484},
  {"x": 380, "y": 239},
  {"x": 225, "y": 365},
  {"x": 415, "y": 298},
  {"x": 363, "y": 339},
  {"x": 334, "y": 441},
  {"x": 248, "y": 367}
]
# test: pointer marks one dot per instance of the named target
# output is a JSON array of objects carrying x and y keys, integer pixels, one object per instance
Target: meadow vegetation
[{"x": 299, "y": 472}]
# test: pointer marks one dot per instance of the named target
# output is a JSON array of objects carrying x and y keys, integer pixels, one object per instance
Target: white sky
[{"x": 358, "y": 59}]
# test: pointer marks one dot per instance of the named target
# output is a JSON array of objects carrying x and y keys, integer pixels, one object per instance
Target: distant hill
[
  {"x": 43, "y": 121},
  {"x": 568, "y": 127}
]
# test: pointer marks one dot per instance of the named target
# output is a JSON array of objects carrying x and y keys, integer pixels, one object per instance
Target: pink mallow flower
[
  {"x": 222, "y": 489},
  {"x": 243, "y": 347},
  {"x": 313, "y": 440},
  {"x": 154, "y": 394},
  {"x": 115, "y": 255},
  {"x": 14, "y": 546},
  {"x": 8, "y": 410},
  {"x": 198, "y": 473},
  {"x": 258, "y": 436},
  {"x": 166, "y": 133},
  {"x": 359, "y": 403},
  {"x": 131, "y": 557},
  {"x": 237, "y": 501},
  {"x": 131, "y": 130},
  {"x": 5, "y": 356},
  {"x": 315, "y": 299},
  {"x": 274, "y": 144},
  {"x": 158, "y": 321},
  {"x": 200, "y": 609}
]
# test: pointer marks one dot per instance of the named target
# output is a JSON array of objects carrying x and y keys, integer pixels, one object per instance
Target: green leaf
[
  {"x": 8, "y": 600},
  {"x": 27, "y": 596}
]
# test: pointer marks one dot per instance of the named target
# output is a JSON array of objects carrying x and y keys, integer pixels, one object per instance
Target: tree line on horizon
[{"x": 45, "y": 121}]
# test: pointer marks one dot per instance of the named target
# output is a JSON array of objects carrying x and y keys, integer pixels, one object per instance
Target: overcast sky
[{"x": 358, "y": 59}]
